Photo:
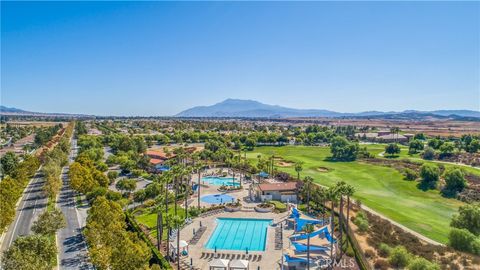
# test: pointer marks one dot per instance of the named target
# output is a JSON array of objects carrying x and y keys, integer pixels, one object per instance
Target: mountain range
[{"x": 255, "y": 109}]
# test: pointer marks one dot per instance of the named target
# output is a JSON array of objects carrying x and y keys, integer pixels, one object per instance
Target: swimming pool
[
  {"x": 218, "y": 198},
  {"x": 239, "y": 234},
  {"x": 221, "y": 181}
]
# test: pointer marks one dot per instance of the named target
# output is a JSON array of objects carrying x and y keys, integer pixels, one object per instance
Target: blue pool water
[
  {"x": 239, "y": 234},
  {"x": 218, "y": 198},
  {"x": 220, "y": 181}
]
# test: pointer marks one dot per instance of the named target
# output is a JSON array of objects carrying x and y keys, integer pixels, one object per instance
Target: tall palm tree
[
  {"x": 341, "y": 189},
  {"x": 177, "y": 221},
  {"x": 159, "y": 208},
  {"x": 198, "y": 167},
  {"x": 332, "y": 195},
  {"x": 349, "y": 191},
  {"x": 188, "y": 172},
  {"x": 308, "y": 184},
  {"x": 308, "y": 229},
  {"x": 298, "y": 168},
  {"x": 169, "y": 225}
]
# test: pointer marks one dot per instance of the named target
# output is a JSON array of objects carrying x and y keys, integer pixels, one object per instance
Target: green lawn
[
  {"x": 150, "y": 219},
  {"x": 380, "y": 188}
]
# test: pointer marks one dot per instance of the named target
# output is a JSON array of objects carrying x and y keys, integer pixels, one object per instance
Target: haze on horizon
[{"x": 159, "y": 58}]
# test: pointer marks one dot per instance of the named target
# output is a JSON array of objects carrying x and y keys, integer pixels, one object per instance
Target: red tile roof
[
  {"x": 155, "y": 161},
  {"x": 278, "y": 186}
]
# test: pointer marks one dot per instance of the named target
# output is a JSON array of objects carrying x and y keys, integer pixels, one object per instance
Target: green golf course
[{"x": 381, "y": 188}]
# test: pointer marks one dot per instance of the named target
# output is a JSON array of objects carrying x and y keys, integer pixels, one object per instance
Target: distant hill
[
  {"x": 254, "y": 109},
  {"x": 19, "y": 112},
  {"x": 4, "y": 109}
]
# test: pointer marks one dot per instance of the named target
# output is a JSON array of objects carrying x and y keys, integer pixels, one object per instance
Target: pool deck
[{"x": 271, "y": 257}]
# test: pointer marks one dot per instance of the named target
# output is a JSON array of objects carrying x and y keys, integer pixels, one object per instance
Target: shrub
[
  {"x": 430, "y": 174},
  {"x": 361, "y": 221},
  {"x": 419, "y": 263},
  {"x": 410, "y": 174},
  {"x": 455, "y": 181},
  {"x": 428, "y": 153},
  {"x": 399, "y": 257},
  {"x": 279, "y": 206},
  {"x": 463, "y": 240},
  {"x": 381, "y": 264},
  {"x": 467, "y": 218},
  {"x": 384, "y": 250}
]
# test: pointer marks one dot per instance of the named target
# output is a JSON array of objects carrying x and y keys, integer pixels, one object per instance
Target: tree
[
  {"x": 468, "y": 217},
  {"x": 392, "y": 149},
  {"x": 177, "y": 221},
  {"x": 447, "y": 149},
  {"x": 112, "y": 175},
  {"x": 473, "y": 146},
  {"x": 349, "y": 190},
  {"x": 415, "y": 146},
  {"x": 9, "y": 163},
  {"x": 342, "y": 149},
  {"x": 463, "y": 240},
  {"x": 250, "y": 143},
  {"x": 32, "y": 252},
  {"x": 429, "y": 174},
  {"x": 332, "y": 195},
  {"x": 49, "y": 222},
  {"x": 126, "y": 185},
  {"x": 308, "y": 186},
  {"x": 399, "y": 257},
  {"x": 428, "y": 153},
  {"x": 81, "y": 178},
  {"x": 454, "y": 181},
  {"x": 308, "y": 229},
  {"x": 298, "y": 168}
]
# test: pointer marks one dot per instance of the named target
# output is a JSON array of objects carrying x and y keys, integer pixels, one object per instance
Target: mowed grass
[
  {"x": 381, "y": 188},
  {"x": 149, "y": 219}
]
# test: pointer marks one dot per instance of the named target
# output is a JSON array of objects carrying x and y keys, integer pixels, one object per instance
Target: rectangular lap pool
[
  {"x": 221, "y": 181},
  {"x": 239, "y": 234}
]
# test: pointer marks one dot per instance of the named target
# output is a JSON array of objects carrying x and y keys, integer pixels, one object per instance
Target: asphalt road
[
  {"x": 71, "y": 243},
  {"x": 31, "y": 205}
]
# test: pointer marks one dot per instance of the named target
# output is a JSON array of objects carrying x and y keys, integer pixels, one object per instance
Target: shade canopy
[
  {"x": 182, "y": 243},
  {"x": 239, "y": 264},
  {"x": 219, "y": 264}
]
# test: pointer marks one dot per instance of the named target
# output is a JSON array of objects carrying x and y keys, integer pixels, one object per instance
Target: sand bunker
[{"x": 323, "y": 169}]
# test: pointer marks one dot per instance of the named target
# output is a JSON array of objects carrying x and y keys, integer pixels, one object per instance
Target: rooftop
[{"x": 278, "y": 186}]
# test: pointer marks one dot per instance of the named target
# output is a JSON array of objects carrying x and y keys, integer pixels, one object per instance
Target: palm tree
[
  {"x": 298, "y": 168},
  {"x": 168, "y": 223},
  {"x": 308, "y": 229},
  {"x": 349, "y": 191},
  {"x": 187, "y": 190},
  {"x": 332, "y": 195},
  {"x": 307, "y": 184},
  {"x": 341, "y": 186},
  {"x": 159, "y": 208},
  {"x": 198, "y": 167},
  {"x": 177, "y": 221}
]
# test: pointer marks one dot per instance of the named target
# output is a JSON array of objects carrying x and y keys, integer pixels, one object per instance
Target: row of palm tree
[
  {"x": 181, "y": 169},
  {"x": 335, "y": 195}
]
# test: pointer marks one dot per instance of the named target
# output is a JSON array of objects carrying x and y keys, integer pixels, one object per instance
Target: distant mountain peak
[{"x": 231, "y": 107}]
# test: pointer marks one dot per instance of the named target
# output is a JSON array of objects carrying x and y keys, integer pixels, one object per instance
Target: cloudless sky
[{"x": 158, "y": 58}]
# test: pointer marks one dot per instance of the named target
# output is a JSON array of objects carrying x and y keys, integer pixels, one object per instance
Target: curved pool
[{"x": 217, "y": 198}]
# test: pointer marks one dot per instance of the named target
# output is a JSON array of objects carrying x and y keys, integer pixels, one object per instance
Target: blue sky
[{"x": 158, "y": 58}]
